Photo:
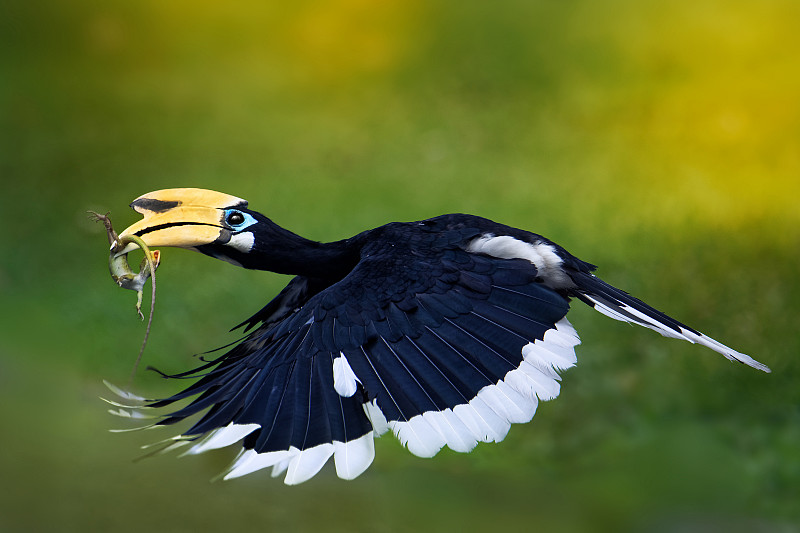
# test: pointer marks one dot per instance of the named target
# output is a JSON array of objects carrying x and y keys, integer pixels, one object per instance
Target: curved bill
[{"x": 183, "y": 218}]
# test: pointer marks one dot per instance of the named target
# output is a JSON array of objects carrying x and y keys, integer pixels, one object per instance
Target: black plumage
[{"x": 445, "y": 330}]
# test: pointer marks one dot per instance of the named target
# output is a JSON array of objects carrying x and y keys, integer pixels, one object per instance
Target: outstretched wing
[{"x": 441, "y": 345}]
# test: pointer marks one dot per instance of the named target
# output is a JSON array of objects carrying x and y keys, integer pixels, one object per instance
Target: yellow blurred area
[
  {"x": 344, "y": 38},
  {"x": 315, "y": 43},
  {"x": 710, "y": 101},
  {"x": 706, "y": 92}
]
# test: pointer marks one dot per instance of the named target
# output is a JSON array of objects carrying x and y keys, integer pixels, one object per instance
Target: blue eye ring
[{"x": 238, "y": 220}]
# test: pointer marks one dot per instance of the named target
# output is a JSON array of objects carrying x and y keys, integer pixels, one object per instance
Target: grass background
[{"x": 658, "y": 140}]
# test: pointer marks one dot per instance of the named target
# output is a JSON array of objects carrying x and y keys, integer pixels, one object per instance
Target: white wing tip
[
  {"x": 126, "y": 395},
  {"x": 344, "y": 379},
  {"x": 642, "y": 319},
  {"x": 222, "y": 437},
  {"x": 352, "y": 458},
  {"x": 720, "y": 348},
  {"x": 749, "y": 361}
]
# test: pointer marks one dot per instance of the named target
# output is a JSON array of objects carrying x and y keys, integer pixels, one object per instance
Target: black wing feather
[{"x": 424, "y": 325}]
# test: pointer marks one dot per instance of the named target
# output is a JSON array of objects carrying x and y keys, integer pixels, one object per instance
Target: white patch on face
[
  {"x": 242, "y": 241},
  {"x": 542, "y": 255}
]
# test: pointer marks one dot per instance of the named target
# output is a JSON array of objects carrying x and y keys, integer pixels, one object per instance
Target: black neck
[
  {"x": 279, "y": 250},
  {"x": 287, "y": 253}
]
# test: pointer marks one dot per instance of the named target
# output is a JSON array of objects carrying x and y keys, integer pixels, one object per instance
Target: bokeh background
[{"x": 660, "y": 140}]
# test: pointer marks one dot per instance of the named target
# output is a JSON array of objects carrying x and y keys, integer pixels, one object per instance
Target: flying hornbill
[{"x": 446, "y": 331}]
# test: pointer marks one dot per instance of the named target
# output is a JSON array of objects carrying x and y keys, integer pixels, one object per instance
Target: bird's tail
[{"x": 620, "y": 305}]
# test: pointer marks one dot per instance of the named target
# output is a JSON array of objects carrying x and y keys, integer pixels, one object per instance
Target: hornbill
[{"x": 445, "y": 330}]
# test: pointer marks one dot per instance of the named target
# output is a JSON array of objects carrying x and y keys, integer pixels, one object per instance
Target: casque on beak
[{"x": 183, "y": 218}]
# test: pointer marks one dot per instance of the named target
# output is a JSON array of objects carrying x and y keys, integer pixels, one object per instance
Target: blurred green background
[{"x": 658, "y": 140}]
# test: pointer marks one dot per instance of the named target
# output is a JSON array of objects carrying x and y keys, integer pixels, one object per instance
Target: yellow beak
[{"x": 183, "y": 218}]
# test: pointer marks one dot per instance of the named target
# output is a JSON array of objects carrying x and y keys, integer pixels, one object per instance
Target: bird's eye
[
  {"x": 238, "y": 220},
  {"x": 234, "y": 218}
]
